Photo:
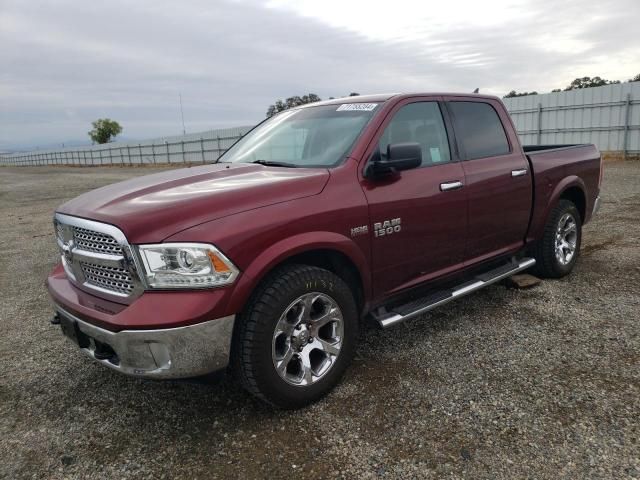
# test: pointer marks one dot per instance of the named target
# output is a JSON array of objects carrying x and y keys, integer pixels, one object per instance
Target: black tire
[
  {"x": 548, "y": 265},
  {"x": 254, "y": 336}
]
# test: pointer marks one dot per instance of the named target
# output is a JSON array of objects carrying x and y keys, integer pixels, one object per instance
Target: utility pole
[{"x": 184, "y": 130}]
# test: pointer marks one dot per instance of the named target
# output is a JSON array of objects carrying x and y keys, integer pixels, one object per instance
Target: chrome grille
[
  {"x": 92, "y": 241},
  {"x": 97, "y": 258},
  {"x": 110, "y": 278}
]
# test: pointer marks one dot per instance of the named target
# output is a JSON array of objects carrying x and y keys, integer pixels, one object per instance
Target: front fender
[{"x": 289, "y": 247}]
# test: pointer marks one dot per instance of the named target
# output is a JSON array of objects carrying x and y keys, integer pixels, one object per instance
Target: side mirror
[{"x": 400, "y": 156}]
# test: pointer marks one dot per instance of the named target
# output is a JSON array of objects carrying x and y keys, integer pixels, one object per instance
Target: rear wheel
[
  {"x": 296, "y": 337},
  {"x": 557, "y": 252}
]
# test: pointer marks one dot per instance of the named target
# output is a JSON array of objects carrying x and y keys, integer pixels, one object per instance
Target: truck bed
[
  {"x": 535, "y": 149},
  {"x": 555, "y": 166}
]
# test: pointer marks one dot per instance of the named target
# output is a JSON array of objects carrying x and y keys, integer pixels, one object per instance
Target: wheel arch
[
  {"x": 571, "y": 188},
  {"x": 328, "y": 250},
  {"x": 576, "y": 195}
]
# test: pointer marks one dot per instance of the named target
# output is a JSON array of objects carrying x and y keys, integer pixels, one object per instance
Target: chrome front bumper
[{"x": 180, "y": 352}]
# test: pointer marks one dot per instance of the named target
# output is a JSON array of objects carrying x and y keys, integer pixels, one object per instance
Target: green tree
[
  {"x": 635, "y": 79},
  {"x": 588, "y": 82},
  {"x": 513, "y": 93},
  {"x": 291, "y": 102},
  {"x": 104, "y": 129}
]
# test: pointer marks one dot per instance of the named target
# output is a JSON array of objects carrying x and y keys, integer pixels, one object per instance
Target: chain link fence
[{"x": 204, "y": 147}]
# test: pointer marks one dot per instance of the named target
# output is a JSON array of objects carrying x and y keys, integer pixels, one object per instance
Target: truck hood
[{"x": 153, "y": 207}]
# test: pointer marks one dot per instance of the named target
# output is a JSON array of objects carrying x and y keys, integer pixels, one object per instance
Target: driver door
[{"x": 418, "y": 217}]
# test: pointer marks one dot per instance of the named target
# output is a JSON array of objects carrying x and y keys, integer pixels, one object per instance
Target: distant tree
[
  {"x": 281, "y": 105},
  {"x": 513, "y": 93},
  {"x": 588, "y": 82},
  {"x": 291, "y": 102},
  {"x": 556, "y": 90},
  {"x": 635, "y": 79},
  {"x": 104, "y": 129}
]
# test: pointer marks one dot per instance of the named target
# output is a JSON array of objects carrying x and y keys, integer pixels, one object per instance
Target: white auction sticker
[{"x": 362, "y": 107}]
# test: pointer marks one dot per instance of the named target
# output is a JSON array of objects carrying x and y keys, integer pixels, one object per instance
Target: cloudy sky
[{"x": 64, "y": 63}]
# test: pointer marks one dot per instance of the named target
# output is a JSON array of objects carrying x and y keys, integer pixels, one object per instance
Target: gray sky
[{"x": 65, "y": 63}]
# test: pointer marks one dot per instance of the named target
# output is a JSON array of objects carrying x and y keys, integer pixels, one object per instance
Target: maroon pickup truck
[{"x": 266, "y": 262}]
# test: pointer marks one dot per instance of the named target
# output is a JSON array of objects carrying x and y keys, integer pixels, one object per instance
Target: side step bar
[{"x": 417, "y": 307}]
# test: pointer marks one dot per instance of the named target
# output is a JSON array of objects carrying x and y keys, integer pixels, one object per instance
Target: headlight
[{"x": 186, "y": 265}]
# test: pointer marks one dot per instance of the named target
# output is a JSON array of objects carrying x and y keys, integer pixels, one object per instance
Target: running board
[{"x": 417, "y": 307}]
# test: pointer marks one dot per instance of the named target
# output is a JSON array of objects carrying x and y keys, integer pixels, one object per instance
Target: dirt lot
[{"x": 540, "y": 383}]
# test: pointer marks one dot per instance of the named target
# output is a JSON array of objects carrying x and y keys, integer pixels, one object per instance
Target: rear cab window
[{"x": 479, "y": 131}]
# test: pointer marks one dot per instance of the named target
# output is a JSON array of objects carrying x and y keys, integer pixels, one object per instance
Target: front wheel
[
  {"x": 557, "y": 252},
  {"x": 296, "y": 336}
]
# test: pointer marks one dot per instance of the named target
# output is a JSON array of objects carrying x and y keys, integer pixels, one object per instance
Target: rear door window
[{"x": 479, "y": 130}]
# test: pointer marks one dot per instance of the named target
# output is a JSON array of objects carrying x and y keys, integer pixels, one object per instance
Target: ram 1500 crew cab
[{"x": 381, "y": 206}]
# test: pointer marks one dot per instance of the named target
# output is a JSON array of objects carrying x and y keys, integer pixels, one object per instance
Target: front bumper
[{"x": 179, "y": 352}]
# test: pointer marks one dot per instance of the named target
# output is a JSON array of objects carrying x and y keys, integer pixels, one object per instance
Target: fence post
[
  {"x": 217, "y": 147},
  {"x": 184, "y": 160},
  {"x": 140, "y": 151},
  {"x": 202, "y": 149},
  {"x": 539, "y": 123},
  {"x": 129, "y": 155},
  {"x": 153, "y": 153},
  {"x": 121, "y": 157},
  {"x": 627, "y": 114},
  {"x": 110, "y": 156},
  {"x": 168, "y": 157}
]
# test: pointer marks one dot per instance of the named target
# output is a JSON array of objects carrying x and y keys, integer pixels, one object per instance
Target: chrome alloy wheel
[
  {"x": 307, "y": 339},
  {"x": 566, "y": 239}
]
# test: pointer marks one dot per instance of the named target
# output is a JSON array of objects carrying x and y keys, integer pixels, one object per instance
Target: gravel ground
[{"x": 539, "y": 383}]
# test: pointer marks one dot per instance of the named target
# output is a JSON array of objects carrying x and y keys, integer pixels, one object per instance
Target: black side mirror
[{"x": 400, "y": 156}]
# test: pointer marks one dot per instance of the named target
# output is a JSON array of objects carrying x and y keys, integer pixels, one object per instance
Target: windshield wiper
[{"x": 269, "y": 163}]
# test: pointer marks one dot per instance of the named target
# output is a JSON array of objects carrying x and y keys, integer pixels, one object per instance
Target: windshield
[{"x": 308, "y": 137}]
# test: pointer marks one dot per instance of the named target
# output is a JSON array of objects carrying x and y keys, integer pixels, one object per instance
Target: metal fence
[
  {"x": 607, "y": 116},
  {"x": 193, "y": 148}
]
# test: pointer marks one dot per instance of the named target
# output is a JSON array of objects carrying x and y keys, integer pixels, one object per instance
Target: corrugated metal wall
[{"x": 606, "y": 116}]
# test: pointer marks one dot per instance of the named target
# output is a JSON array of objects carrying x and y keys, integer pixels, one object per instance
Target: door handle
[
  {"x": 518, "y": 173},
  {"x": 445, "y": 187}
]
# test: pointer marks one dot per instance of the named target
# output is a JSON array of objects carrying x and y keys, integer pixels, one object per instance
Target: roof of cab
[{"x": 383, "y": 97}]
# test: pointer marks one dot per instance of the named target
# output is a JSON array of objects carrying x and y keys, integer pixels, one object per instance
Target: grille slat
[
  {"x": 92, "y": 241},
  {"x": 109, "y": 278}
]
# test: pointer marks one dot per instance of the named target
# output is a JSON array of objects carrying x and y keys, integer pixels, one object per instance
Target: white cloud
[{"x": 66, "y": 63}]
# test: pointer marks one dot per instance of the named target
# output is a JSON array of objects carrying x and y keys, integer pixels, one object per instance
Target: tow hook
[{"x": 55, "y": 320}]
